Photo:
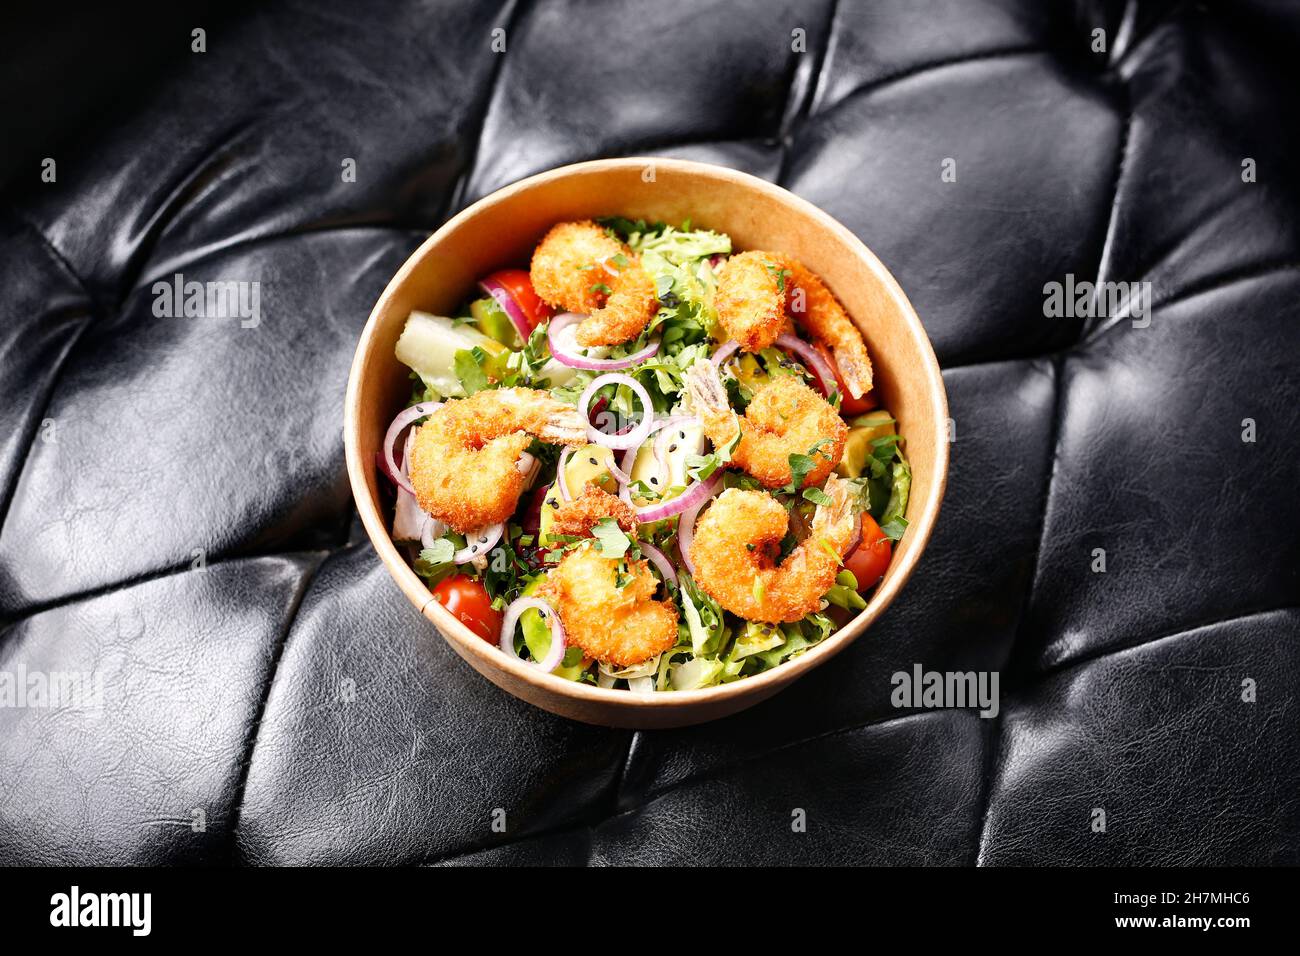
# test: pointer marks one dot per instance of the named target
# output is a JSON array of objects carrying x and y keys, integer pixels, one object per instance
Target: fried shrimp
[
  {"x": 750, "y": 300},
  {"x": 757, "y": 292},
  {"x": 785, "y": 418},
  {"x": 576, "y": 518},
  {"x": 617, "y": 625},
  {"x": 580, "y": 267},
  {"x": 464, "y": 458},
  {"x": 736, "y": 543}
]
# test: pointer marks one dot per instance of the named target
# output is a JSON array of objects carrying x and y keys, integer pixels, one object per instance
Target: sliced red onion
[
  {"x": 431, "y": 530},
  {"x": 479, "y": 543},
  {"x": 513, "y": 612},
  {"x": 662, "y": 441},
  {"x": 696, "y": 494},
  {"x": 686, "y": 526},
  {"x": 528, "y": 467},
  {"x": 811, "y": 358},
  {"x": 565, "y": 357},
  {"x": 659, "y": 560},
  {"x": 560, "y": 469},
  {"x": 628, "y": 463},
  {"x": 725, "y": 352},
  {"x": 621, "y": 475},
  {"x": 508, "y": 305},
  {"x": 404, "y": 418},
  {"x": 629, "y": 457},
  {"x": 635, "y": 436}
]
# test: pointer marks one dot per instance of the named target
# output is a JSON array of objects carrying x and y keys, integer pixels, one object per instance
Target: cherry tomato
[
  {"x": 871, "y": 557},
  {"x": 469, "y": 602},
  {"x": 520, "y": 287},
  {"x": 849, "y": 406}
]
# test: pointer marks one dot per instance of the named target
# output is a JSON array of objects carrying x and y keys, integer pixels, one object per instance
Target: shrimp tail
[
  {"x": 562, "y": 425},
  {"x": 855, "y": 367},
  {"x": 704, "y": 385},
  {"x": 835, "y": 520}
]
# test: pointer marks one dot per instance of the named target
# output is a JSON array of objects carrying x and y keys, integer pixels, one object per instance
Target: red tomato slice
[
  {"x": 849, "y": 406},
  {"x": 871, "y": 557},
  {"x": 520, "y": 287},
  {"x": 469, "y": 602}
]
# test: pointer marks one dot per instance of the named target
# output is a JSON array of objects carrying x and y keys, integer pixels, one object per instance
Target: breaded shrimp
[
  {"x": 576, "y": 518},
  {"x": 622, "y": 626},
  {"x": 574, "y": 265},
  {"x": 757, "y": 290},
  {"x": 464, "y": 457},
  {"x": 784, "y": 418},
  {"x": 736, "y": 543},
  {"x": 750, "y": 300}
]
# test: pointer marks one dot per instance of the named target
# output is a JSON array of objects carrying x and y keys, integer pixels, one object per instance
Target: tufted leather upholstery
[{"x": 176, "y": 516}]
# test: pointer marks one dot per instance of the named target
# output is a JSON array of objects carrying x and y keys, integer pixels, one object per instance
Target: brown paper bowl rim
[{"x": 452, "y": 629}]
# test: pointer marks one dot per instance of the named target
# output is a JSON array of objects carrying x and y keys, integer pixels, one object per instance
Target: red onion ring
[
  {"x": 622, "y": 477},
  {"x": 686, "y": 524},
  {"x": 696, "y": 494},
  {"x": 628, "y": 463},
  {"x": 528, "y": 467},
  {"x": 431, "y": 530},
  {"x": 512, "y": 615},
  {"x": 560, "y": 468},
  {"x": 509, "y": 306},
  {"x": 404, "y": 418},
  {"x": 812, "y": 359},
  {"x": 558, "y": 352},
  {"x": 479, "y": 543},
  {"x": 659, "y": 560},
  {"x": 629, "y": 456},
  {"x": 725, "y": 352},
  {"x": 632, "y": 438}
]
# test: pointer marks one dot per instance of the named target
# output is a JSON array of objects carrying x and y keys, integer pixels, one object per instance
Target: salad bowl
[{"x": 501, "y": 229}]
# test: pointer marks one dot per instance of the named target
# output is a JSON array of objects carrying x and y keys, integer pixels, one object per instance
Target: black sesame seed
[
  {"x": 553, "y": 503},
  {"x": 654, "y": 481},
  {"x": 671, "y": 449},
  {"x": 592, "y": 460}
]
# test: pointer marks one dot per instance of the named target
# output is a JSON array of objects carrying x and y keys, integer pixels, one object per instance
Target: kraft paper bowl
[{"x": 501, "y": 230}]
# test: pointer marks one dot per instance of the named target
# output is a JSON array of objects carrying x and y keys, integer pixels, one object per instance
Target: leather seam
[
  {"x": 1082, "y": 660},
  {"x": 907, "y": 73},
  {"x": 252, "y": 735},
  {"x": 8, "y": 623}
]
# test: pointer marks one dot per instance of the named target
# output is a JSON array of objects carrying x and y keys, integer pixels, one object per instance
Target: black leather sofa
[{"x": 176, "y": 519}]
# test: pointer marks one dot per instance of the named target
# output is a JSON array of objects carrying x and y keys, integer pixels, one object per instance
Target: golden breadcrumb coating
[
  {"x": 580, "y": 267},
  {"x": 784, "y": 418},
  {"x": 464, "y": 458},
  {"x": 736, "y": 543},
  {"x": 619, "y": 626}
]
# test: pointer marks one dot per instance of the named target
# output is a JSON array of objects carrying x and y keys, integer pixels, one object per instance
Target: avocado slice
[
  {"x": 857, "y": 446},
  {"x": 686, "y": 440},
  {"x": 537, "y": 636},
  {"x": 588, "y": 463},
  {"x": 493, "y": 322}
]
